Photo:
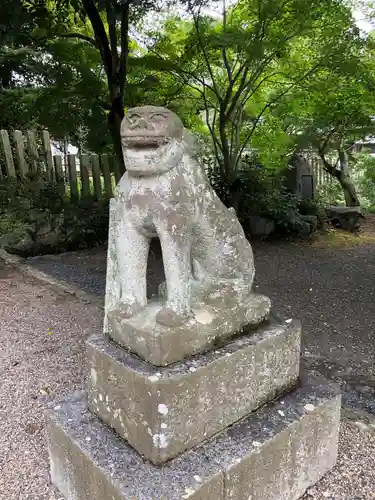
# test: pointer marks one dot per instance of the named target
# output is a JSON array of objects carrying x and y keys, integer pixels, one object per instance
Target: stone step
[
  {"x": 164, "y": 411},
  {"x": 275, "y": 453}
]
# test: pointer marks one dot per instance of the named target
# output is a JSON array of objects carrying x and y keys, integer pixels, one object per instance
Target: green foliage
[
  {"x": 37, "y": 208},
  {"x": 85, "y": 224},
  {"x": 259, "y": 192},
  {"x": 36, "y": 193},
  {"x": 365, "y": 175},
  {"x": 313, "y": 207},
  {"x": 331, "y": 194},
  {"x": 240, "y": 67}
]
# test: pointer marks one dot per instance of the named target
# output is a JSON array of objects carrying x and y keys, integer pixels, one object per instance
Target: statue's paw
[
  {"x": 130, "y": 309},
  {"x": 168, "y": 317}
]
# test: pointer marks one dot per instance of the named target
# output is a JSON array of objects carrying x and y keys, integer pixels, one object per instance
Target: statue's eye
[
  {"x": 158, "y": 117},
  {"x": 133, "y": 117}
]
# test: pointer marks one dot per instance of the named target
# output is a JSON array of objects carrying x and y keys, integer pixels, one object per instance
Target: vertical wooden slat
[
  {"x": 321, "y": 176},
  {"x": 96, "y": 176},
  {"x": 84, "y": 166},
  {"x": 73, "y": 177},
  {"x": 19, "y": 145},
  {"x": 104, "y": 163},
  {"x": 59, "y": 174},
  {"x": 116, "y": 168},
  {"x": 33, "y": 151},
  {"x": 9, "y": 163},
  {"x": 48, "y": 155}
]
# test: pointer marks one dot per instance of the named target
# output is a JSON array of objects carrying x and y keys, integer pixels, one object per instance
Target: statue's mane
[{"x": 191, "y": 145}]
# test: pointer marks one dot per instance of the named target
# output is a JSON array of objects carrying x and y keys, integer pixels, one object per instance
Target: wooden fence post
[
  {"x": 85, "y": 179},
  {"x": 33, "y": 151},
  {"x": 60, "y": 180},
  {"x": 96, "y": 176},
  {"x": 48, "y": 155},
  {"x": 59, "y": 174},
  {"x": 9, "y": 163},
  {"x": 20, "y": 153},
  {"x": 73, "y": 178},
  {"x": 104, "y": 163}
]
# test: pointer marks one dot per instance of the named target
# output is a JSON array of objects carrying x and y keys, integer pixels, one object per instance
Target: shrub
[
  {"x": 40, "y": 210},
  {"x": 256, "y": 191},
  {"x": 365, "y": 174},
  {"x": 313, "y": 207}
]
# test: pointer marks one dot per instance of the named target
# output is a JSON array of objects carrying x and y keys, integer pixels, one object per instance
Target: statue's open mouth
[{"x": 143, "y": 142}]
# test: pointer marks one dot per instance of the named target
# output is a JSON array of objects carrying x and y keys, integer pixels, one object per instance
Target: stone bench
[{"x": 347, "y": 218}]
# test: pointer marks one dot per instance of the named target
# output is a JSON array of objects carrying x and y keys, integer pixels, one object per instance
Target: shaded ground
[{"x": 330, "y": 288}]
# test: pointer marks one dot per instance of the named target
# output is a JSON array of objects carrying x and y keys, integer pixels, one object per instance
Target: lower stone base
[{"x": 275, "y": 453}]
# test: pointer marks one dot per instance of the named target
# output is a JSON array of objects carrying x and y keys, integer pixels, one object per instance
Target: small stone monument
[{"x": 196, "y": 393}]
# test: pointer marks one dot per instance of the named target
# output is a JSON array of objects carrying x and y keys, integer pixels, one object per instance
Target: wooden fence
[
  {"x": 322, "y": 177},
  {"x": 79, "y": 176},
  {"x": 84, "y": 175}
]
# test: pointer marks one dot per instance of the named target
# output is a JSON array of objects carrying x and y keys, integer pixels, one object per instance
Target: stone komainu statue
[{"x": 166, "y": 194}]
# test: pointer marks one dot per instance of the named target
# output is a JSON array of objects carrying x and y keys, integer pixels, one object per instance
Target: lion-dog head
[{"x": 151, "y": 138}]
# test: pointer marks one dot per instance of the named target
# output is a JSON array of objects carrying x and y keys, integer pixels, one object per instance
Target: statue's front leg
[
  {"x": 132, "y": 252},
  {"x": 175, "y": 239}
]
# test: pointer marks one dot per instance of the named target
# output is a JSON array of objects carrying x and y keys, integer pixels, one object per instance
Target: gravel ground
[
  {"x": 353, "y": 478},
  {"x": 35, "y": 367},
  {"x": 331, "y": 290}
]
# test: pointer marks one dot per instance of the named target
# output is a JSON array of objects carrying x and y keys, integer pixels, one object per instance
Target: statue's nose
[{"x": 142, "y": 124}]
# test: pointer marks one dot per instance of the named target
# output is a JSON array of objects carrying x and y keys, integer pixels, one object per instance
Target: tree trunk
[
  {"x": 115, "y": 117},
  {"x": 115, "y": 64},
  {"x": 350, "y": 195},
  {"x": 351, "y": 198},
  {"x": 229, "y": 179},
  {"x": 343, "y": 176}
]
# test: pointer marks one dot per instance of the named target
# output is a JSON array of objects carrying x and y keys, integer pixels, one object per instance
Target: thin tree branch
[
  {"x": 251, "y": 91},
  {"x": 80, "y": 36},
  {"x": 171, "y": 96},
  {"x": 237, "y": 95},
  {"x": 326, "y": 140},
  {"x": 203, "y": 48},
  {"x": 224, "y": 50},
  {"x": 179, "y": 71},
  {"x": 100, "y": 36}
]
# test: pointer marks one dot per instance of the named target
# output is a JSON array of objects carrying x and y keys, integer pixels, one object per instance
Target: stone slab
[
  {"x": 275, "y": 453},
  {"x": 211, "y": 324},
  {"x": 162, "y": 412}
]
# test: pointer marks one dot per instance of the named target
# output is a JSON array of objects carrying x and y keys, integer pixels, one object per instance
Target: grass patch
[{"x": 336, "y": 238}]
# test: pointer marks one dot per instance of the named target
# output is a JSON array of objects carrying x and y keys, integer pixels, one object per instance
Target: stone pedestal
[
  {"x": 190, "y": 429},
  {"x": 274, "y": 453},
  {"x": 163, "y": 411}
]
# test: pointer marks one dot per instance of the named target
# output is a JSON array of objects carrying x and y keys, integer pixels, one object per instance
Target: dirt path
[{"x": 36, "y": 366}]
